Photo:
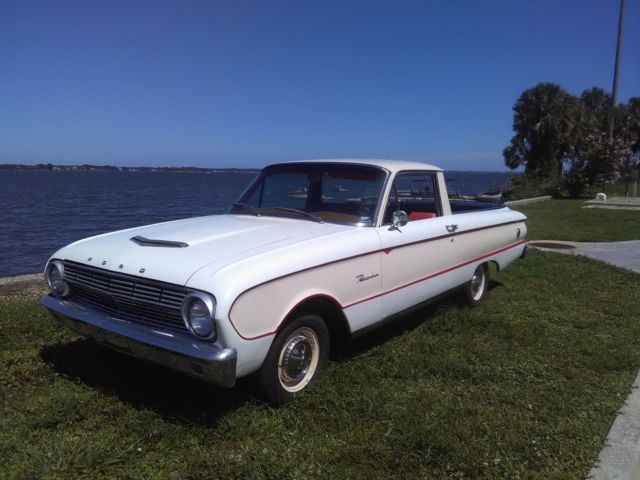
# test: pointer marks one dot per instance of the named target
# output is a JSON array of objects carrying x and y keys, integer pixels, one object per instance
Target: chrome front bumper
[{"x": 179, "y": 352}]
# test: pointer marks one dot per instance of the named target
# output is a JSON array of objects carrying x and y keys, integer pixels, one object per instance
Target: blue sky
[{"x": 245, "y": 83}]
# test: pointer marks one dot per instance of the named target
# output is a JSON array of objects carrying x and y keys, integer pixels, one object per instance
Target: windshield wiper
[
  {"x": 248, "y": 207},
  {"x": 302, "y": 212}
]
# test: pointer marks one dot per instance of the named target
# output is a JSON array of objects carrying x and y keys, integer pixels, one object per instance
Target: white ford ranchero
[{"x": 311, "y": 252}]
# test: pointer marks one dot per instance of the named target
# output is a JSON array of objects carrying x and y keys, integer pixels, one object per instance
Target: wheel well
[
  {"x": 330, "y": 311},
  {"x": 494, "y": 264}
]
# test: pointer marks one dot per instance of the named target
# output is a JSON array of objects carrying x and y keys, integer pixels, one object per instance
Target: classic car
[{"x": 312, "y": 252}]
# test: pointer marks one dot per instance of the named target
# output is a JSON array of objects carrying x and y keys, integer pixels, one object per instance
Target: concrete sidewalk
[
  {"x": 621, "y": 254},
  {"x": 615, "y": 203}
]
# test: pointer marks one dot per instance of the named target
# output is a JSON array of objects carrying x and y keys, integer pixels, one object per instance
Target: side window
[{"x": 416, "y": 194}]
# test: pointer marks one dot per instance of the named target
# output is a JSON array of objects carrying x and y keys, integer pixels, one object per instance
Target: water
[
  {"x": 468, "y": 183},
  {"x": 41, "y": 211}
]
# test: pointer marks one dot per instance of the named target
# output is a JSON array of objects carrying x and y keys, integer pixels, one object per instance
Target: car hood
[{"x": 206, "y": 240}]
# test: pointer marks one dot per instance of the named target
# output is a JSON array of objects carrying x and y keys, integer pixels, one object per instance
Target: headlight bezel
[
  {"x": 209, "y": 302},
  {"x": 59, "y": 266}
]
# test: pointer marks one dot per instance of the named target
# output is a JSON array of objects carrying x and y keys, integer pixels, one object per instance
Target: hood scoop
[{"x": 150, "y": 242}]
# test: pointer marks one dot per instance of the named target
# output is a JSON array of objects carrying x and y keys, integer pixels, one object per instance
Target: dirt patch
[{"x": 552, "y": 245}]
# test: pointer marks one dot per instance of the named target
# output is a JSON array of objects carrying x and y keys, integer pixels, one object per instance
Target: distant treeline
[
  {"x": 112, "y": 168},
  {"x": 574, "y": 143}
]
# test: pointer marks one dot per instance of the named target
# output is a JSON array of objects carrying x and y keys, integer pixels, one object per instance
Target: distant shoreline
[{"x": 112, "y": 168}]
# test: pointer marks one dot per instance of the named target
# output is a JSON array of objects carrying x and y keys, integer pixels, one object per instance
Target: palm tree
[{"x": 543, "y": 122}]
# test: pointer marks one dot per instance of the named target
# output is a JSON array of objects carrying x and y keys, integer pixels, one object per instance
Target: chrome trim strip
[{"x": 180, "y": 352}]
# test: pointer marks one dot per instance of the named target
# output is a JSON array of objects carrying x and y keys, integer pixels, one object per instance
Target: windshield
[{"x": 316, "y": 192}]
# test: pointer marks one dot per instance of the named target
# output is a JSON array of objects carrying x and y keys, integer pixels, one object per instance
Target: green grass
[
  {"x": 567, "y": 220},
  {"x": 525, "y": 386}
]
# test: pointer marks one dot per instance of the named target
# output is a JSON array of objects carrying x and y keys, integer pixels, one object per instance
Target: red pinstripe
[
  {"x": 433, "y": 275},
  {"x": 423, "y": 279}
]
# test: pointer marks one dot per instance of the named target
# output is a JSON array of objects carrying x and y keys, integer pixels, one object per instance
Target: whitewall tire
[
  {"x": 297, "y": 357},
  {"x": 476, "y": 289}
]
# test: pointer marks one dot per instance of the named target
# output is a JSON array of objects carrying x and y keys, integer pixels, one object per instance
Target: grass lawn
[
  {"x": 567, "y": 220},
  {"x": 525, "y": 386}
]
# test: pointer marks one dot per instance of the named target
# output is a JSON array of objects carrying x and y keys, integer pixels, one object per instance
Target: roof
[{"x": 391, "y": 165}]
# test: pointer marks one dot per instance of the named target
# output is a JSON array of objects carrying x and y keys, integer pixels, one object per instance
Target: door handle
[{"x": 452, "y": 228}]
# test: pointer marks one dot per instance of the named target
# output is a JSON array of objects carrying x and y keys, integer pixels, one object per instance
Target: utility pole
[{"x": 616, "y": 70}]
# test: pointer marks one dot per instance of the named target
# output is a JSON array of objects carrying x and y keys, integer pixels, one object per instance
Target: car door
[{"x": 416, "y": 257}]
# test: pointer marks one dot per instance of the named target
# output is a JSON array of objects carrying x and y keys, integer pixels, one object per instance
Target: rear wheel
[
  {"x": 476, "y": 288},
  {"x": 297, "y": 357}
]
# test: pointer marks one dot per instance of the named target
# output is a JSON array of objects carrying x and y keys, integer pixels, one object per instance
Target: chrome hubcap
[
  {"x": 298, "y": 359},
  {"x": 477, "y": 283}
]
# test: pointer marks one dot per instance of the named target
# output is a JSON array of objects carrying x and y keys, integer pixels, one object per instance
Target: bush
[{"x": 520, "y": 187}]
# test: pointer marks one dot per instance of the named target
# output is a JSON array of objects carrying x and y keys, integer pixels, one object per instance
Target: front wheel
[
  {"x": 476, "y": 288},
  {"x": 297, "y": 357}
]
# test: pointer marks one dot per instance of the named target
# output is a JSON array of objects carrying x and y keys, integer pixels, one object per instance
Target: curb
[{"x": 524, "y": 201}]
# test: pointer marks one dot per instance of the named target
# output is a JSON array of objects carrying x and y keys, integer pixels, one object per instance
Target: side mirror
[{"x": 399, "y": 218}]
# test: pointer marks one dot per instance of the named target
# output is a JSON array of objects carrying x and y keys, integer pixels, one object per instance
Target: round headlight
[
  {"x": 55, "y": 278},
  {"x": 198, "y": 310}
]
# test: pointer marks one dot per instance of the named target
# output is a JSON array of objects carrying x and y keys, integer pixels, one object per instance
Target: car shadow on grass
[
  {"x": 404, "y": 323},
  {"x": 178, "y": 397},
  {"x": 144, "y": 385}
]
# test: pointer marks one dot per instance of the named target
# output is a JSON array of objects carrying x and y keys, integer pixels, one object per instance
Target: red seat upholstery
[{"x": 421, "y": 215}]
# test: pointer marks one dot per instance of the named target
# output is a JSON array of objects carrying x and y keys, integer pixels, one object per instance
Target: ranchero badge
[{"x": 363, "y": 278}]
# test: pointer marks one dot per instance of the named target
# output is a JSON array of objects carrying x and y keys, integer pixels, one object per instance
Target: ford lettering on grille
[{"x": 135, "y": 299}]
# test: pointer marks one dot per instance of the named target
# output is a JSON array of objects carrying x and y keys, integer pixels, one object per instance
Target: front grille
[{"x": 131, "y": 298}]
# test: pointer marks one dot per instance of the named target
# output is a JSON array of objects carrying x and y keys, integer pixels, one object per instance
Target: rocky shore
[{"x": 23, "y": 286}]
